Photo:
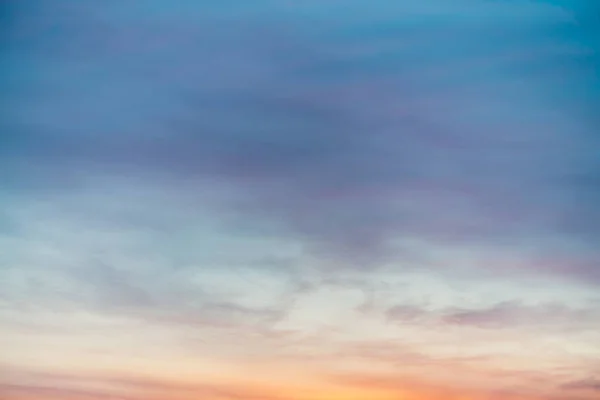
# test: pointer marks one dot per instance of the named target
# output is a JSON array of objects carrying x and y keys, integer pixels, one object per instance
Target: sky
[{"x": 300, "y": 200}]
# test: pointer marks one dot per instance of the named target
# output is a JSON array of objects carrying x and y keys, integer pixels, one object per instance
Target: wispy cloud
[
  {"x": 505, "y": 315},
  {"x": 295, "y": 180},
  {"x": 81, "y": 387},
  {"x": 346, "y": 163},
  {"x": 590, "y": 384}
]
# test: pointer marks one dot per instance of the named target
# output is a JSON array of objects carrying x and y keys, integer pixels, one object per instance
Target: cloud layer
[
  {"x": 306, "y": 188},
  {"x": 296, "y": 121}
]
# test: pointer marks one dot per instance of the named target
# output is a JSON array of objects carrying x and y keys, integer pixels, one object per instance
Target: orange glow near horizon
[{"x": 49, "y": 386}]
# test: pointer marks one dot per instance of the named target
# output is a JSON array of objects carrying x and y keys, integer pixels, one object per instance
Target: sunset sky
[{"x": 300, "y": 200}]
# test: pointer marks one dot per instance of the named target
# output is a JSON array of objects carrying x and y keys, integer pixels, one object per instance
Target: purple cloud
[
  {"x": 585, "y": 385},
  {"x": 345, "y": 150},
  {"x": 505, "y": 315}
]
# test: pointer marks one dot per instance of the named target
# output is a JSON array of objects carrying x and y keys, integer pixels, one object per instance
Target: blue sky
[{"x": 283, "y": 182}]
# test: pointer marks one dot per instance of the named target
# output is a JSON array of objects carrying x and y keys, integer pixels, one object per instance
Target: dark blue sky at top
[{"x": 344, "y": 123}]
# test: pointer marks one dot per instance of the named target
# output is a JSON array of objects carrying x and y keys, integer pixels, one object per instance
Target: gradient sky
[{"x": 300, "y": 200}]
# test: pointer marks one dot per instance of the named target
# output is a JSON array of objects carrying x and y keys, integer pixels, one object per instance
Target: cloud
[
  {"x": 107, "y": 254},
  {"x": 504, "y": 315},
  {"x": 309, "y": 133},
  {"x": 31, "y": 392},
  {"x": 81, "y": 387},
  {"x": 243, "y": 169},
  {"x": 512, "y": 314},
  {"x": 405, "y": 312},
  {"x": 390, "y": 352},
  {"x": 586, "y": 385}
]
